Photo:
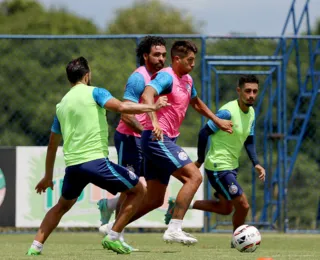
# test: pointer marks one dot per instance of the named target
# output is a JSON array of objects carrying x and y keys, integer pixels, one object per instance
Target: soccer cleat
[
  {"x": 32, "y": 251},
  {"x": 105, "y": 212},
  {"x": 168, "y": 215},
  {"x": 232, "y": 245},
  {"x": 132, "y": 249},
  {"x": 179, "y": 236},
  {"x": 115, "y": 246}
]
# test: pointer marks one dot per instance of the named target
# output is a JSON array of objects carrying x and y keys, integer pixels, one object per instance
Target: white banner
[{"x": 31, "y": 207}]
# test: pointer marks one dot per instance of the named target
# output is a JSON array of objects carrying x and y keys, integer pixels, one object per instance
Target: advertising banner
[
  {"x": 31, "y": 207},
  {"x": 7, "y": 186}
]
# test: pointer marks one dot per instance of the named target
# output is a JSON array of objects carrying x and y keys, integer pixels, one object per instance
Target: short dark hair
[
  {"x": 182, "y": 48},
  {"x": 146, "y": 44},
  {"x": 77, "y": 69},
  {"x": 247, "y": 79}
]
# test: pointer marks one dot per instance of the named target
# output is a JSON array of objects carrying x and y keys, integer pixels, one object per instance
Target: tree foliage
[{"x": 33, "y": 80}]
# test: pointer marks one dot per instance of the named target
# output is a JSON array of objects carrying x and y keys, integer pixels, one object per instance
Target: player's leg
[
  {"x": 221, "y": 206},
  {"x": 153, "y": 199},
  {"x": 242, "y": 207},
  {"x": 115, "y": 178},
  {"x": 191, "y": 178},
  {"x": 73, "y": 183}
]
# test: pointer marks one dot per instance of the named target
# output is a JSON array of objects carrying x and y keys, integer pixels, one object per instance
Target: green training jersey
[
  {"x": 225, "y": 148},
  {"x": 81, "y": 119}
]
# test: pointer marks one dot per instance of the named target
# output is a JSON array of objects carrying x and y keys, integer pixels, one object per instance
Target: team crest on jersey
[
  {"x": 188, "y": 87},
  {"x": 183, "y": 156},
  {"x": 130, "y": 168},
  {"x": 132, "y": 175},
  {"x": 233, "y": 189}
]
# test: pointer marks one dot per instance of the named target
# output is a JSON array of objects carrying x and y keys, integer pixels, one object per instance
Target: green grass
[{"x": 211, "y": 246}]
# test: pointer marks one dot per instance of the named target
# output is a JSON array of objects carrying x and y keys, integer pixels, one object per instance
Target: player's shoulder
[
  {"x": 229, "y": 105},
  {"x": 252, "y": 111}
]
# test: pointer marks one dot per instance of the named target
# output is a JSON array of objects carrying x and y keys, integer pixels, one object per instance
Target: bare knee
[
  {"x": 64, "y": 205},
  {"x": 241, "y": 203},
  {"x": 228, "y": 208}
]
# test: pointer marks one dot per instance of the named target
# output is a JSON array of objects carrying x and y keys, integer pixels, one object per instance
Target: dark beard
[{"x": 248, "y": 105}]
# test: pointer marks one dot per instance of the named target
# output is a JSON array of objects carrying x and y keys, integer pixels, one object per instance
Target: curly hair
[{"x": 146, "y": 44}]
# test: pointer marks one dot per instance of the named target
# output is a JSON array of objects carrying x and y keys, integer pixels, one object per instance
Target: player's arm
[
  {"x": 54, "y": 142},
  {"x": 201, "y": 108},
  {"x": 134, "y": 88},
  {"x": 104, "y": 99},
  {"x": 162, "y": 83},
  {"x": 250, "y": 147},
  {"x": 131, "y": 121},
  {"x": 209, "y": 129}
]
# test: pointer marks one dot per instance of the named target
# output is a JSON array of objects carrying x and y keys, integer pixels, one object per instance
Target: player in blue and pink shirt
[
  {"x": 163, "y": 157},
  {"x": 151, "y": 53}
]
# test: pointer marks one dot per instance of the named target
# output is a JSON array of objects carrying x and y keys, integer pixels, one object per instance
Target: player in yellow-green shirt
[
  {"x": 221, "y": 162},
  {"x": 81, "y": 122}
]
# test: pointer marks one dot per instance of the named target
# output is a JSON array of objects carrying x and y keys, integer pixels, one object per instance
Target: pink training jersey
[
  {"x": 170, "y": 118},
  {"x": 123, "y": 128}
]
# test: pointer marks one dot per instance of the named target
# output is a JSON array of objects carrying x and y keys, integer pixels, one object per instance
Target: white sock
[
  {"x": 121, "y": 238},
  {"x": 191, "y": 205},
  {"x": 37, "y": 245},
  {"x": 175, "y": 225},
  {"x": 112, "y": 203},
  {"x": 113, "y": 235}
]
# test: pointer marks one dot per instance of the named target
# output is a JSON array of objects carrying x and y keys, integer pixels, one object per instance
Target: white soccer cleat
[{"x": 179, "y": 236}]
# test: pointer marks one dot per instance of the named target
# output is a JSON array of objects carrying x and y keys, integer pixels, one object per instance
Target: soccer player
[
  {"x": 163, "y": 157},
  {"x": 151, "y": 53},
  {"x": 222, "y": 160},
  {"x": 81, "y": 122}
]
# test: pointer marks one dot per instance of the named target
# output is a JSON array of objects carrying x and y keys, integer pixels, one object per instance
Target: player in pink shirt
[
  {"x": 151, "y": 53},
  {"x": 162, "y": 156}
]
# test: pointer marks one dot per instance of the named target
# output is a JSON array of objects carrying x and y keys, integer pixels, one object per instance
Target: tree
[{"x": 152, "y": 17}]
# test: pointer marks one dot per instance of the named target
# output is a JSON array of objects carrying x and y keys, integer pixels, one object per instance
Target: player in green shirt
[
  {"x": 81, "y": 122},
  {"x": 222, "y": 160}
]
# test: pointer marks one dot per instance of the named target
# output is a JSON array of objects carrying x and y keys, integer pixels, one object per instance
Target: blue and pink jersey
[
  {"x": 134, "y": 89},
  {"x": 179, "y": 90}
]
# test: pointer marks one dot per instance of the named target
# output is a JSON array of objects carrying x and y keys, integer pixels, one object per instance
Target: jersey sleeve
[
  {"x": 101, "y": 96},
  {"x": 193, "y": 92},
  {"x": 56, "y": 128},
  {"x": 223, "y": 114},
  {"x": 162, "y": 83},
  {"x": 252, "y": 127},
  {"x": 134, "y": 87}
]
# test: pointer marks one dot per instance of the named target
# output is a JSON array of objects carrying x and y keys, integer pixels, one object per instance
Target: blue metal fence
[{"x": 284, "y": 131}]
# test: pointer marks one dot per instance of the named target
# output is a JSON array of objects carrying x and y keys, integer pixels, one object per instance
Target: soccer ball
[{"x": 246, "y": 238}]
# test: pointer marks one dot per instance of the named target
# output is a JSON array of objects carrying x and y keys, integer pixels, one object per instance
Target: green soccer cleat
[
  {"x": 105, "y": 212},
  {"x": 168, "y": 215},
  {"x": 132, "y": 249},
  {"x": 32, "y": 251},
  {"x": 115, "y": 246}
]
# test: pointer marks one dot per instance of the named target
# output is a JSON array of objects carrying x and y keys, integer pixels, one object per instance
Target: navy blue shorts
[
  {"x": 161, "y": 158},
  {"x": 102, "y": 173},
  {"x": 225, "y": 183},
  {"x": 129, "y": 152}
]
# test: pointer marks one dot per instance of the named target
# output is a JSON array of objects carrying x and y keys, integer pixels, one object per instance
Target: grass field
[{"x": 211, "y": 246}]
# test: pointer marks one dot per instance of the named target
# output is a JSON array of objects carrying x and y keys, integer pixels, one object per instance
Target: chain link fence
[{"x": 33, "y": 81}]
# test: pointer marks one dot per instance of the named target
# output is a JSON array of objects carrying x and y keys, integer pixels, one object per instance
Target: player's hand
[
  {"x": 161, "y": 102},
  {"x": 225, "y": 125},
  {"x": 261, "y": 171},
  {"x": 196, "y": 163},
  {"x": 157, "y": 132},
  {"x": 43, "y": 185}
]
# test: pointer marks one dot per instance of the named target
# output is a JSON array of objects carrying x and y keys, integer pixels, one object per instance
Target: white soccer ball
[{"x": 246, "y": 238}]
